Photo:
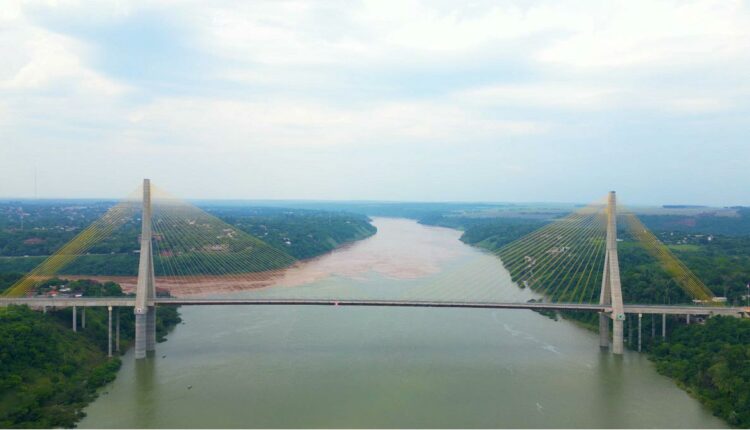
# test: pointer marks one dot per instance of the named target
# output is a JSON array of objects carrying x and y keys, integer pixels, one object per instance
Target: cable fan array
[
  {"x": 197, "y": 252},
  {"x": 117, "y": 216},
  {"x": 563, "y": 260},
  {"x": 194, "y": 249},
  {"x": 684, "y": 277}
]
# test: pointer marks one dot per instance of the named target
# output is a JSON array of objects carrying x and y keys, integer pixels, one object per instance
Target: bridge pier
[
  {"x": 151, "y": 329},
  {"x": 83, "y": 317},
  {"x": 109, "y": 332},
  {"x": 687, "y": 319},
  {"x": 140, "y": 335},
  {"x": 663, "y": 326},
  {"x": 75, "y": 325},
  {"x": 603, "y": 330},
  {"x": 617, "y": 337}
]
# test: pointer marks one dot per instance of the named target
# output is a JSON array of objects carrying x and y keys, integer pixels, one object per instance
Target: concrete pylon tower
[
  {"x": 611, "y": 294},
  {"x": 145, "y": 312}
]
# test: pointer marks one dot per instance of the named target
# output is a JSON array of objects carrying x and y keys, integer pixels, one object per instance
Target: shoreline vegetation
[{"x": 709, "y": 359}]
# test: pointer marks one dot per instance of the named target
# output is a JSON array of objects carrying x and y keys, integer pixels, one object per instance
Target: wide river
[{"x": 302, "y": 366}]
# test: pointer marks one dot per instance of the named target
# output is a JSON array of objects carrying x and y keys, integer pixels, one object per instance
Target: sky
[{"x": 503, "y": 101}]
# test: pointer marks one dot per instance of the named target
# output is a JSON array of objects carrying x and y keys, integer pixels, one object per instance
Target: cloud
[
  {"x": 339, "y": 79},
  {"x": 37, "y": 60},
  {"x": 546, "y": 95},
  {"x": 200, "y": 122},
  {"x": 658, "y": 33},
  {"x": 588, "y": 97}
]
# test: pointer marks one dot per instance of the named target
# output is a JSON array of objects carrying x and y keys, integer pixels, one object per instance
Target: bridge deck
[{"x": 583, "y": 307}]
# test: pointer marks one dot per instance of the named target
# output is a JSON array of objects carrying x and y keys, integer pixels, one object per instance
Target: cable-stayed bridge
[{"x": 572, "y": 262}]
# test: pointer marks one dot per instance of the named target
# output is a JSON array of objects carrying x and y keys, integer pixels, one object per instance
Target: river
[{"x": 302, "y": 366}]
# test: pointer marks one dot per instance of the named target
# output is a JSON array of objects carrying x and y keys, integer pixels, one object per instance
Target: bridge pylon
[
  {"x": 145, "y": 291},
  {"x": 611, "y": 293}
]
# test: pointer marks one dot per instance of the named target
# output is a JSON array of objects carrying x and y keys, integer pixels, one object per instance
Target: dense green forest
[
  {"x": 711, "y": 361},
  {"x": 726, "y": 224},
  {"x": 48, "y": 373}
]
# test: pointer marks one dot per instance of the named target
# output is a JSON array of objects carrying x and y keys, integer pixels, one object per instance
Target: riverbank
[{"x": 50, "y": 373}]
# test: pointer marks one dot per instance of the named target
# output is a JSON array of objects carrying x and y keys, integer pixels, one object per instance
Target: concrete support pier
[
  {"x": 109, "y": 332},
  {"x": 140, "y": 335},
  {"x": 151, "y": 329},
  {"x": 617, "y": 336},
  {"x": 663, "y": 326},
  {"x": 687, "y": 319},
  {"x": 75, "y": 325},
  {"x": 603, "y": 330}
]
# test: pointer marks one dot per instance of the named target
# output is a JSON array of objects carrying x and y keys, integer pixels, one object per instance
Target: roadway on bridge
[{"x": 580, "y": 307}]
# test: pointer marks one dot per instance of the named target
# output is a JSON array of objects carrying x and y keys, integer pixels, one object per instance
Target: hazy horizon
[{"x": 261, "y": 201}]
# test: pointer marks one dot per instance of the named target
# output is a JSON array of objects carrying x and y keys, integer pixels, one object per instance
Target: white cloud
[
  {"x": 37, "y": 59},
  {"x": 277, "y": 33},
  {"x": 546, "y": 95},
  {"x": 587, "y": 97},
  {"x": 697, "y": 105},
  {"x": 224, "y": 125},
  {"x": 657, "y": 33}
]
